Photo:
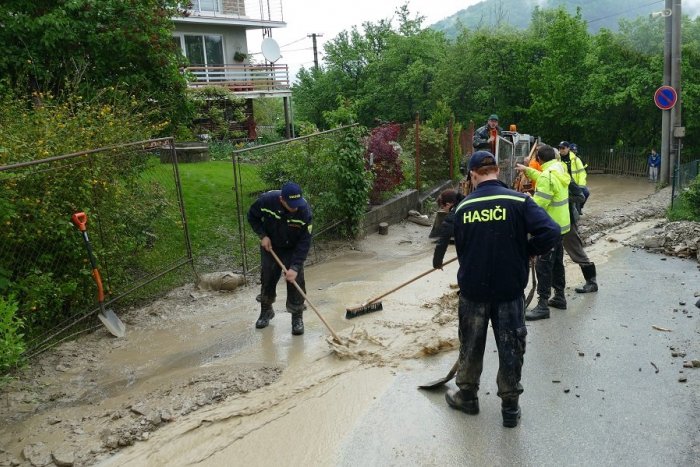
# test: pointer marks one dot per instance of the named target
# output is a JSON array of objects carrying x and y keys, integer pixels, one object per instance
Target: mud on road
[{"x": 193, "y": 357}]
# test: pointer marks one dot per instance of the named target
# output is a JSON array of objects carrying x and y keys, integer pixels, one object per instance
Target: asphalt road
[{"x": 593, "y": 394}]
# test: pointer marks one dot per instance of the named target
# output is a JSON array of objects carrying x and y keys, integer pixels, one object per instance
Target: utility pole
[
  {"x": 666, "y": 114},
  {"x": 676, "y": 124},
  {"x": 314, "y": 36}
]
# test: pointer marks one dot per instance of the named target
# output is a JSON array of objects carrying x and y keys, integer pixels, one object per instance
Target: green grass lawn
[{"x": 211, "y": 212}]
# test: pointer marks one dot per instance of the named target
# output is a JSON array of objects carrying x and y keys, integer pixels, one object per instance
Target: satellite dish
[{"x": 270, "y": 50}]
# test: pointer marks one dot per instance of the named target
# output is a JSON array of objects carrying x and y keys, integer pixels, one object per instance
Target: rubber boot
[
  {"x": 266, "y": 314},
  {"x": 589, "y": 274},
  {"x": 558, "y": 301},
  {"x": 510, "y": 410},
  {"x": 297, "y": 324},
  {"x": 465, "y": 401},
  {"x": 541, "y": 311}
]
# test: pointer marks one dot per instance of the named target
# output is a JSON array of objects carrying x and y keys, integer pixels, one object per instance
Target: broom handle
[
  {"x": 379, "y": 297},
  {"x": 284, "y": 270}
]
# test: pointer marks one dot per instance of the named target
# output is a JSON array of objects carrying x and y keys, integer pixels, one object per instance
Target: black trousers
[
  {"x": 549, "y": 268},
  {"x": 508, "y": 321},
  {"x": 270, "y": 273}
]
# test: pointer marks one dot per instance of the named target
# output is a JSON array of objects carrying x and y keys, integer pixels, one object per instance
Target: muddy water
[{"x": 286, "y": 400}]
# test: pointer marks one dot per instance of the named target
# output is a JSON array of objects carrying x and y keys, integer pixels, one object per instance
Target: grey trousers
[{"x": 573, "y": 245}]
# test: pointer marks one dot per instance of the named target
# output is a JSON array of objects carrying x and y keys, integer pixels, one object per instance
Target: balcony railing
[
  {"x": 243, "y": 78},
  {"x": 261, "y": 10}
]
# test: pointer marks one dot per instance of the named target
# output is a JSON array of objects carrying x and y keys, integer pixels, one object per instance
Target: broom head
[{"x": 362, "y": 310}]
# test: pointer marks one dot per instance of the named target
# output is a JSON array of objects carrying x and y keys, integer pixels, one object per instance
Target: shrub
[
  {"x": 330, "y": 170},
  {"x": 687, "y": 205},
  {"x": 42, "y": 259},
  {"x": 693, "y": 197},
  {"x": 218, "y": 113},
  {"x": 11, "y": 339},
  {"x": 382, "y": 158},
  {"x": 434, "y": 162}
]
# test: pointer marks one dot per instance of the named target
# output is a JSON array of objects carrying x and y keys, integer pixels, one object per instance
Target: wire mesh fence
[
  {"x": 255, "y": 170},
  {"x": 155, "y": 223},
  {"x": 136, "y": 224},
  {"x": 685, "y": 175}
]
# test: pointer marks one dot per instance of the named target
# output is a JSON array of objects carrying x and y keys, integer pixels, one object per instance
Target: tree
[{"x": 91, "y": 47}]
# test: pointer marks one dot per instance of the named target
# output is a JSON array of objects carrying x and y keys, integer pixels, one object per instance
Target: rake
[{"x": 374, "y": 304}]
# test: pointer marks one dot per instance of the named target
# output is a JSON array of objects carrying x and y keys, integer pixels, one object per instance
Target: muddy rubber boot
[
  {"x": 510, "y": 410},
  {"x": 266, "y": 314},
  {"x": 297, "y": 324},
  {"x": 462, "y": 400},
  {"x": 589, "y": 274},
  {"x": 541, "y": 311},
  {"x": 558, "y": 301}
]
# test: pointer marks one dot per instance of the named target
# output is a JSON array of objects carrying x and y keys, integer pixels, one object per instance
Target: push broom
[{"x": 375, "y": 305}]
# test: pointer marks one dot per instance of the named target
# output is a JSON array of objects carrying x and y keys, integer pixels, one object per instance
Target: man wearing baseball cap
[
  {"x": 496, "y": 231},
  {"x": 485, "y": 136},
  {"x": 282, "y": 220}
]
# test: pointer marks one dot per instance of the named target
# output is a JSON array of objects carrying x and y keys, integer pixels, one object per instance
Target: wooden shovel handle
[
  {"x": 284, "y": 270},
  {"x": 379, "y": 297}
]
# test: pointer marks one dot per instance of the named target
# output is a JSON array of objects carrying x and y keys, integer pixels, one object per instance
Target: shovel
[
  {"x": 110, "y": 320},
  {"x": 451, "y": 374}
]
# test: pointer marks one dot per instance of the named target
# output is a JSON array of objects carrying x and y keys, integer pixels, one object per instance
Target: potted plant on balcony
[{"x": 239, "y": 56}]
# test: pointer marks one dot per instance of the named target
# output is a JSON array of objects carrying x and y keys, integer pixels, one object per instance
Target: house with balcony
[{"x": 212, "y": 36}]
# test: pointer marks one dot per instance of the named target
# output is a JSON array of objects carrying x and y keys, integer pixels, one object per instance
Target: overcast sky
[{"x": 330, "y": 17}]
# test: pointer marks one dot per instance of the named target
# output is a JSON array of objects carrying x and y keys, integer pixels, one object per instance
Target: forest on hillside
[{"x": 598, "y": 14}]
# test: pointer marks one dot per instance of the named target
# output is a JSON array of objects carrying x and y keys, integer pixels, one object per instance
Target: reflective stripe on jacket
[
  {"x": 576, "y": 169},
  {"x": 287, "y": 230},
  {"x": 552, "y": 193},
  {"x": 491, "y": 228}
]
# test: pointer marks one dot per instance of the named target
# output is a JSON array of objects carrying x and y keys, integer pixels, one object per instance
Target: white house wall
[{"x": 234, "y": 40}]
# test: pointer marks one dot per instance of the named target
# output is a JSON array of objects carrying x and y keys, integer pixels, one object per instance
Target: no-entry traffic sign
[{"x": 665, "y": 97}]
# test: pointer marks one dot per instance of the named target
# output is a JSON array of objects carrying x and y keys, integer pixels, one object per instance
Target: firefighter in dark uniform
[
  {"x": 491, "y": 227},
  {"x": 448, "y": 201},
  {"x": 282, "y": 220}
]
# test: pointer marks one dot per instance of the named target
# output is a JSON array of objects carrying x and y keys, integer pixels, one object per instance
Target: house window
[
  {"x": 206, "y": 5},
  {"x": 203, "y": 51}
]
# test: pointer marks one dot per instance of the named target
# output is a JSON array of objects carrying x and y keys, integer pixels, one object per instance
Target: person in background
[
  {"x": 282, "y": 220},
  {"x": 576, "y": 169},
  {"x": 485, "y": 137},
  {"x": 496, "y": 231},
  {"x": 654, "y": 162},
  {"x": 551, "y": 194},
  {"x": 448, "y": 201}
]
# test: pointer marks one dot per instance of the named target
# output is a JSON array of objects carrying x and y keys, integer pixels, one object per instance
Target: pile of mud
[{"x": 681, "y": 239}]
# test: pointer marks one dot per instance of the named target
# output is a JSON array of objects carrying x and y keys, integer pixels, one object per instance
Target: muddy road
[{"x": 194, "y": 382}]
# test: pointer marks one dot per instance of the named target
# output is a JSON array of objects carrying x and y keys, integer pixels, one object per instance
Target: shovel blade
[
  {"x": 111, "y": 321},
  {"x": 444, "y": 380}
]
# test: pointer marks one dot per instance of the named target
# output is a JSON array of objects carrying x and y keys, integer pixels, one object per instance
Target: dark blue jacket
[
  {"x": 444, "y": 234},
  {"x": 287, "y": 230},
  {"x": 654, "y": 160},
  {"x": 481, "y": 137},
  {"x": 491, "y": 236}
]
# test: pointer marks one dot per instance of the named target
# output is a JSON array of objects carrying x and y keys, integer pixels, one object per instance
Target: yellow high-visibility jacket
[
  {"x": 552, "y": 193},
  {"x": 578, "y": 170}
]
